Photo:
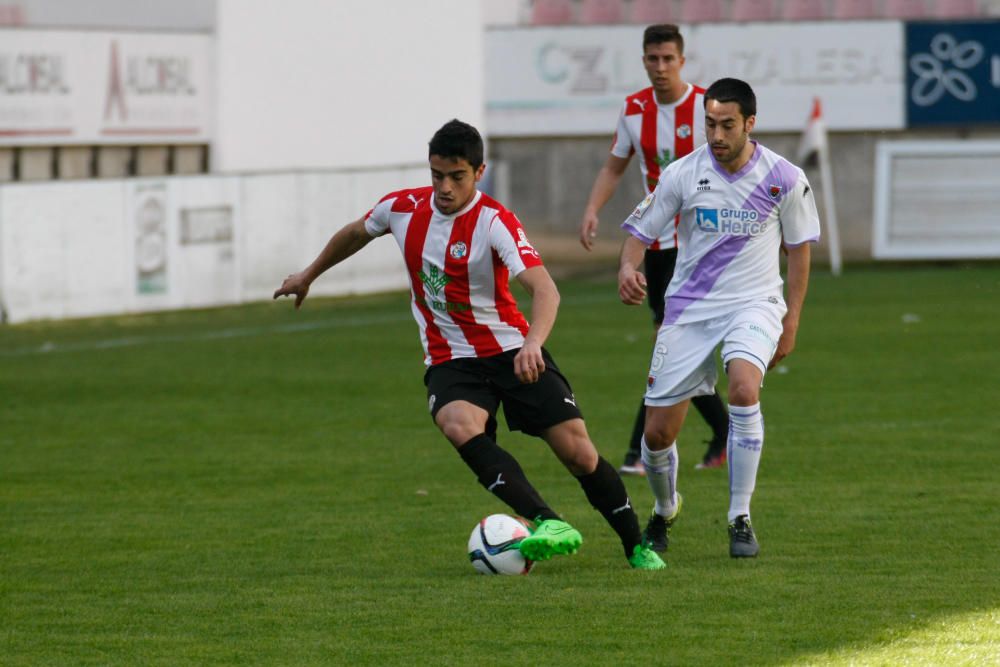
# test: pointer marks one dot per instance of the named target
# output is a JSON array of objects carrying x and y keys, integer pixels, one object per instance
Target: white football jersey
[
  {"x": 731, "y": 229},
  {"x": 458, "y": 266}
]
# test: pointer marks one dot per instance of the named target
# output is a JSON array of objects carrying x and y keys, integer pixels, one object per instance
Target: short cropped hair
[
  {"x": 733, "y": 90},
  {"x": 456, "y": 139},
  {"x": 663, "y": 32}
]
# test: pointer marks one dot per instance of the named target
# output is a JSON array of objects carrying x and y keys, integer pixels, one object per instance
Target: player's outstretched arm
[
  {"x": 347, "y": 241},
  {"x": 604, "y": 187},
  {"x": 528, "y": 363},
  {"x": 631, "y": 281},
  {"x": 798, "y": 282}
]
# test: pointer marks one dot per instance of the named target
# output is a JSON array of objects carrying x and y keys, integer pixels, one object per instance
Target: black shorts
[
  {"x": 490, "y": 382},
  {"x": 659, "y": 268}
]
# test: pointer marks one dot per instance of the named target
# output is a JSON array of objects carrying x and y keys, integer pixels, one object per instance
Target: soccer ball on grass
[{"x": 493, "y": 545}]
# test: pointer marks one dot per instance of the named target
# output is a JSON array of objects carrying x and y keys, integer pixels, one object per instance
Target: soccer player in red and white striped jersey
[
  {"x": 460, "y": 248},
  {"x": 661, "y": 123}
]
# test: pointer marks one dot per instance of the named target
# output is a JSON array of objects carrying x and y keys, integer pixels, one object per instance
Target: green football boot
[
  {"x": 644, "y": 558},
  {"x": 551, "y": 537}
]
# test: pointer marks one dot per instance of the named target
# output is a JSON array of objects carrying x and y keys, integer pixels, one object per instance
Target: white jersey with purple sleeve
[{"x": 731, "y": 229}]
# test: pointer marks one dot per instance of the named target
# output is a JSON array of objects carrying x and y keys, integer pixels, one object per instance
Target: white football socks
[
  {"x": 746, "y": 438},
  {"x": 661, "y": 472}
]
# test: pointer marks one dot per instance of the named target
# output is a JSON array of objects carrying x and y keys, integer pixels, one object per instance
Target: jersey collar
[
  {"x": 465, "y": 209},
  {"x": 679, "y": 100},
  {"x": 744, "y": 170}
]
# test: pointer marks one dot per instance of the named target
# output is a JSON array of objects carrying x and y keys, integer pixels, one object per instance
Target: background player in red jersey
[
  {"x": 460, "y": 246},
  {"x": 661, "y": 123}
]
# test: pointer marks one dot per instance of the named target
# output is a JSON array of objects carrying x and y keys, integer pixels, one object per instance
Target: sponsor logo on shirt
[
  {"x": 704, "y": 185},
  {"x": 732, "y": 221},
  {"x": 444, "y": 306},
  {"x": 664, "y": 158},
  {"x": 434, "y": 280}
]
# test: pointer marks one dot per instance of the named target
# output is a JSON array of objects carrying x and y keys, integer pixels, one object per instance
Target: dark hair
[
  {"x": 733, "y": 90},
  {"x": 456, "y": 139},
  {"x": 663, "y": 32}
]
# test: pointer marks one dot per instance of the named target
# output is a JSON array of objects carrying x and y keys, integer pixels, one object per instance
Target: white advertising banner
[
  {"x": 84, "y": 248},
  {"x": 573, "y": 80},
  {"x": 63, "y": 88}
]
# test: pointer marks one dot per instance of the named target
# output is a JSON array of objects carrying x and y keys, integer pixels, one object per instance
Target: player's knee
[
  {"x": 744, "y": 393},
  {"x": 571, "y": 443},
  {"x": 457, "y": 429},
  {"x": 660, "y": 438},
  {"x": 582, "y": 459},
  {"x": 460, "y": 422}
]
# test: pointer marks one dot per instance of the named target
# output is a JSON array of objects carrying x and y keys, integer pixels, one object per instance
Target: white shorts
[{"x": 683, "y": 363}]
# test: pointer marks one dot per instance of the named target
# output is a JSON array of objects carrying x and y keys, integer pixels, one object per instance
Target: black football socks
[
  {"x": 606, "y": 492},
  {"x": 501, "y": 475}
]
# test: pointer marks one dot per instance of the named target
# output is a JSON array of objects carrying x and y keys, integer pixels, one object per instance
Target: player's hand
[
  {"x": 588, "y": 230},
  {"x": 529, "y": 363},
  {"x": 786, "y": 343},
  {"x": 296, "y": 284},
  {"x": 631, "y": 287}
]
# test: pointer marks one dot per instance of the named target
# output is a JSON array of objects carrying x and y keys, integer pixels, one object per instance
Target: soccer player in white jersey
[
  {"x": 661, "y": 123},
  {"x": 460, "y": 247},
  {"x": 739, "y": 203}
]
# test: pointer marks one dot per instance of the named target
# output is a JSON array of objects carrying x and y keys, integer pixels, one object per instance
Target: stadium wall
[
  {"x": 550, "y": 179},
  {"x": 555, "y": 93},
  {"x": 352, "y": 83},
  {"x": 113, "y": 247}
]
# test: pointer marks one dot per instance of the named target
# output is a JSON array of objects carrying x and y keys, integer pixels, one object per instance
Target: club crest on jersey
[
  {"x": 650, "y": 381},
  {"x": 684, "y": 131},
  {"x": 458, "y": 250},
  {"x": 774, "y": 191},
  {"x": 643, "y": 205}
]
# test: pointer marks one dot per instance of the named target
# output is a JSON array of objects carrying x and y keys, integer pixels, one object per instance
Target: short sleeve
[
  {"x": 511, "y": 244},
  {"x": 653, "y": 216},
  {"x": 798, "y": 216},
  {"x": 377, "y": 219},
  {"x": 622, "y": 145}
]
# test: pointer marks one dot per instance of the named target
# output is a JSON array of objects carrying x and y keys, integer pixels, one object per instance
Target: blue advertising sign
[{"x": 953, "y": 73}]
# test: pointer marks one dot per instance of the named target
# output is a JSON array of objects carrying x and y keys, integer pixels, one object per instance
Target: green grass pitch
[{"x": 259, "y": 486}]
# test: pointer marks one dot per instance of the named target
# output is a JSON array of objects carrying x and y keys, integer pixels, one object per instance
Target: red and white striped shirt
[
  {"x": 459, "y": 266},
  {"x": 660, "y": 133}
]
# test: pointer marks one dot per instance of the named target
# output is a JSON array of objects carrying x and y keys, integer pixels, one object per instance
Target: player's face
[
  {"x": 726, "y": 130},
  {"x": 663, "y": 66},
  {"x": 454, "y": 182}
]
